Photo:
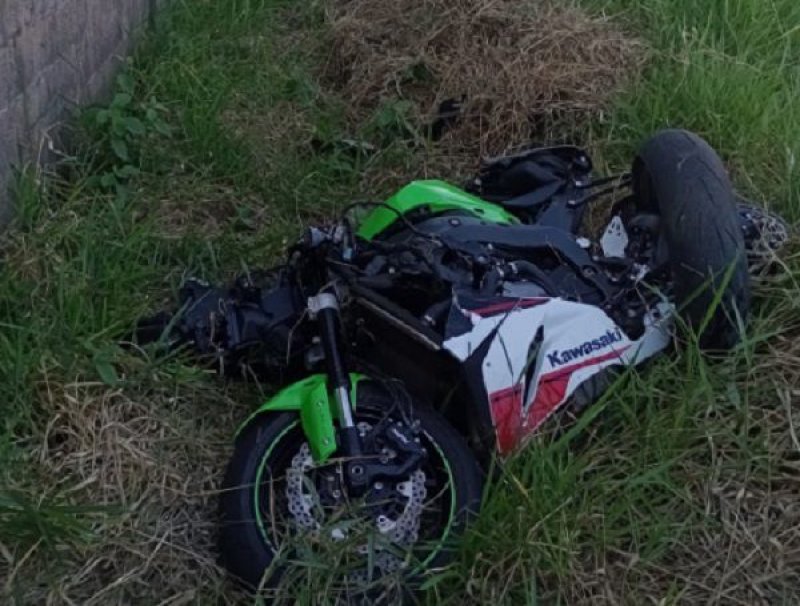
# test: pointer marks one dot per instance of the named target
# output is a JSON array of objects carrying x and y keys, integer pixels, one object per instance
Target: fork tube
[{"x": 326, "y": 308}]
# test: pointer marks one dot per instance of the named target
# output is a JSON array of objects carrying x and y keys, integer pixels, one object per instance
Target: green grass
[
  {"x": 727, "y": 70},
  {"x": 683, "y": 471}
]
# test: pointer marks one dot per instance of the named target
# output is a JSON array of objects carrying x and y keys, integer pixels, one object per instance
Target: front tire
[{"x": 258, "y": 522}]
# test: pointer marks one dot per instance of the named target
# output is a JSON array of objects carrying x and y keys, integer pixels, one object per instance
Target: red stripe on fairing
[
  {"x": 497, "y": 308},
  {"x": 552, "y": 389},
  {"x": 506, "y": 404},
  {"x": 506, "y": 407},
  {"x": 615, "y": 353}
]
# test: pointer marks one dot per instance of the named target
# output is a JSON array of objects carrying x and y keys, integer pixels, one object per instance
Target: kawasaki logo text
[{"x": 557, "y": 358}]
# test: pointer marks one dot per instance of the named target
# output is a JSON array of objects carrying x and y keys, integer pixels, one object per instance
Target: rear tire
[{"x": 678, "y": 176}]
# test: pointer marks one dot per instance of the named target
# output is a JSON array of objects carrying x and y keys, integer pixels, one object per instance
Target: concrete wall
[{"x": 54, "y": 56}]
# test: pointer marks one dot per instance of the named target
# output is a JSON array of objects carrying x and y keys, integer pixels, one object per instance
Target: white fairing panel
[{"x": 541, "y": 350}]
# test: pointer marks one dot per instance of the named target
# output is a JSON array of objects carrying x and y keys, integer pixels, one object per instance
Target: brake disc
[
  {"x": 300, "y": 501},
  {"x": 764, "y": 234},
  {"x": 401, "y": 530}
]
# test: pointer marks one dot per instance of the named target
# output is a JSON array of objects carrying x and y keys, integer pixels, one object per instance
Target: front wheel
[{"x": 283, "y": 515}]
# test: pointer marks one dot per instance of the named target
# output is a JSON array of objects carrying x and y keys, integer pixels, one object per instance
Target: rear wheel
[
  {"x": 279, "y": 508},
  {"x": 680, "y": 178}
]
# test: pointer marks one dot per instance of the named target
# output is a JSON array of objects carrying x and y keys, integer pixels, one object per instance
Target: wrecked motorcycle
[{"x": 447, "y": 325}]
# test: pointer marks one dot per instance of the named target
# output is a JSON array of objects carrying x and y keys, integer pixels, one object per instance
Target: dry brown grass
[
  {"x": 748, "y": 549},
  {"x": 523, "y": 69},
  {"x": 528, "y": 72},
  {"x": 156, "y": 458}
]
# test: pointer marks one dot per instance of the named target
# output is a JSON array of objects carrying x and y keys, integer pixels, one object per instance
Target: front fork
[{"x": 325, "y": 308}]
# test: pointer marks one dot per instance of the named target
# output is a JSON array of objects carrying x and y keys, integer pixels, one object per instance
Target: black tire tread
[{"x": 690, "y": 189}]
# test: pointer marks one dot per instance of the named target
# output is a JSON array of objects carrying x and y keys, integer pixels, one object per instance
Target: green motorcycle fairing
[
  {"x": 311, "y": 398},
  {"x": 436, "y": 196}
]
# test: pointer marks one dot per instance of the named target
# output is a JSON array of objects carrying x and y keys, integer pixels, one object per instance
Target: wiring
[{"x": 413, "y": 228}]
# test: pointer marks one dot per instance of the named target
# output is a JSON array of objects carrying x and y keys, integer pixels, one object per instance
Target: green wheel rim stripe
[{"x": 259, "y": 473}]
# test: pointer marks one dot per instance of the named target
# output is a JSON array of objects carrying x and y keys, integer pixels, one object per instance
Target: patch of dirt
[{"x": 519, "y": 69}]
